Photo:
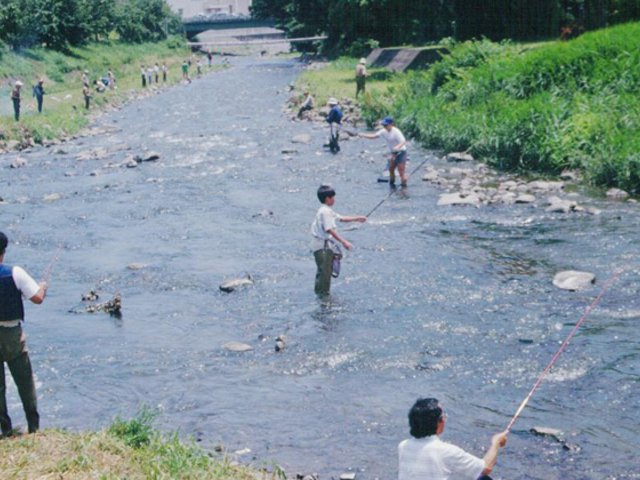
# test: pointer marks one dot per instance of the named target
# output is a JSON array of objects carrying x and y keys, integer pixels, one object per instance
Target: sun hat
[
  {"x": 386, "y": 121},
  {"x": 41, "y": 80},
  {"x": 332, "y": 101},
  {"x": 363, "y": 60},
  {"x": 19, "y": 83}
]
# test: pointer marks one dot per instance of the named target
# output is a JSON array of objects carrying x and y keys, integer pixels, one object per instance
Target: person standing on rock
[
  {"x": 398, "y": 146},
  {"x": 15, "y": 98},
  {"x": 426, "y": 456},
  {"x": 143, "y": 74},
  {"x": 39, "y": 93},
  {"x": 307, "y": 104},
  {"x": 15, "y": 283},
  {"x": 325, "y": 245},
  {"x": 361, "y": 76},
  {"x": 335, "y": 116}
]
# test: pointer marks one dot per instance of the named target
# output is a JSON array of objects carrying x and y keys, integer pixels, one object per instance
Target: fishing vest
[{"x": 11, "y": 307}]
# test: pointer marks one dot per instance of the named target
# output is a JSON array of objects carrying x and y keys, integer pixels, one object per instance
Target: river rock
[
  {"x": 13, "y": 145},
  {"x": 348, "y": 476},
  {"x": 54, "y": 197},
  {"x": 460, "y": 172},
  {"x": 525, "y": 198},
  {"x": 430, "y": 176},
  {"x": 263, "y": 213},
  {"x": 545, "y": 186},
  {"x": 592, "y": 211},
  {"x": 560, "y": 206},
  {"x": 237, "y": 283},
  {"x": 19, "y": 162},
  {"x": 568, "y": 175},
  {"x": 447, "y": 199},
  {"x": 147, "y": 157},
  {"x": 136, "y": 266},
  {"x": 237, "y": 347},
  {"x": 288, "y": 151},
  {"x": 280, "y": 343},
  {"x": 506, "y": 198},
  {"x": 459, "y": 157},
  {"x": 617, "y": 194},
  {"x": 554, "y": 433},
  {"x": 573, "y": 280},
  {"x": 119, "y": 147},
  {"x": 302, "y": 138},
  {"x": 93, "y": 154}
]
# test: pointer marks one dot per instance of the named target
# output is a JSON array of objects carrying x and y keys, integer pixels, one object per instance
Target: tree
[
  {"x": 145, "y": 20},
  {"x": 98, "y": 17}
]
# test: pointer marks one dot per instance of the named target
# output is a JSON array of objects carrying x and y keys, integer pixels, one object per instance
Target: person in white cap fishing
[
  {"x": 15, "y": 97},
  {"x": 398, "y": 146},
  {"x": 361, "y": 76}
]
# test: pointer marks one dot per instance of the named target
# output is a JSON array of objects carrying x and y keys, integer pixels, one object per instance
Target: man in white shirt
[
  {"x": 14, "y": 284},
  {"x": 426, "y": 457},
  {"x": 398, "y": 146},
  {"x": 325, "y": 237}
]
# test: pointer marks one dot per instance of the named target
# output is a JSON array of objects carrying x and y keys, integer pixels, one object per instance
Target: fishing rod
[
  {"x": 562, "y": 347},
  {"x": 54, "y": 260},
  {"x": 394, "y": 191}
]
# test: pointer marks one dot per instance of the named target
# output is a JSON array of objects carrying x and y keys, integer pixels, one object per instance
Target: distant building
[{"x": 191, "y": 8}]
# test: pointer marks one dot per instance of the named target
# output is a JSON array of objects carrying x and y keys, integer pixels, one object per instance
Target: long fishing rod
[
  {"x": 394, "y": 191},
  {"x": 562, "y": 347},
  {"x": 54, "y": 260}
]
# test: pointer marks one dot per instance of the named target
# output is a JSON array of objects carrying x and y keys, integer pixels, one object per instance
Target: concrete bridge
[{"x": 194, "y": 27}]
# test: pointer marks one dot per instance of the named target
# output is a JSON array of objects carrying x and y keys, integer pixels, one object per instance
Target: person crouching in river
[
  {"x": 15, "y": 283},
  {"x": 325, "y": 248},
  {"x": 425, "y": 456}
]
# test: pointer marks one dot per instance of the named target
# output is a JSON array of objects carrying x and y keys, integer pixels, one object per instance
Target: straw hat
[
  {"x": 332, "y": 101},
  {"x": 363, "y": 61},
  {"x": 19, "y": 83}
]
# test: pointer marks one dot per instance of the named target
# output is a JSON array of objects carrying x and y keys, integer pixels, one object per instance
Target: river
[{"x": 455, "y": 303}]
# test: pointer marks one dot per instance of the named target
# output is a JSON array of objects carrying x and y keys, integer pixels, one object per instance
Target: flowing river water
[{"x": 455, "y": 303}]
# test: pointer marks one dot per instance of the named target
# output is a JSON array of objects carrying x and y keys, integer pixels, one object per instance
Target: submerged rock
[
  {"x": 280, "y": 343},
  {"x": 263, "y": 213},
  {"x": 573, "y": 280},
  {"x": 554, "y": 433},
  {"x": 237, "y": 347},
  {"x": 19, "y": 162},
  {"x": 52, "y": 198},
  {"x": 236, "y": 283},
  {"x": 459, "y": 157},
  {"x": 302, "y": 138},
  {"x": 447, "y": 199},
  {"x": 92, "y": 296},
  {"x": 112, "y": 307},
  {"x": 136, "y": 266},
  {"x": 147, "y": 157}
]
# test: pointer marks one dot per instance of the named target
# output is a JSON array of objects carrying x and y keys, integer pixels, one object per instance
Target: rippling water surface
[{"x": 455, "y": 303}]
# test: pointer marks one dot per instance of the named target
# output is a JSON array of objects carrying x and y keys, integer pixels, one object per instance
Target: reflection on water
[{"x": 448, "y": 302}]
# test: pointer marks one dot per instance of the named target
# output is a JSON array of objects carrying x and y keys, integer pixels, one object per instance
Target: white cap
[
  {"x": 19, "y": 83},
  {"x": 332, "y": 101},
  {"x": 363, "y": 60}
]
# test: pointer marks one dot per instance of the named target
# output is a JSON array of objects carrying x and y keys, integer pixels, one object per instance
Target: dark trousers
[
  {"x": 16, "y": 108},
  {"x": 13, "y": 350},
  {"x": 360, "y": 85},
  {"x": 144, "y": 81},
  {"x": 87, "y": 101},
  {"x": 324, "y": 262},
  {"x": 39, "y": 98},
  {"x": 164, "y": 76}
]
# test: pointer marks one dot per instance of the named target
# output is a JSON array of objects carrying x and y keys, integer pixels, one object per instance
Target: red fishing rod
[{"x": 562, "y": 347}]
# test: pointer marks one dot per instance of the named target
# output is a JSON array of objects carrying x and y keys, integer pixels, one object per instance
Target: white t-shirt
[
  {"x": 432, "y": 459},
  {"x": 393, "y": 137},
  {"x": 24, "y": 282},
  {"x": 325, "y": 220}
]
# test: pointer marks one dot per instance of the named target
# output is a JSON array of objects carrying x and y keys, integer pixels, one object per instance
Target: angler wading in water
[{"x": 15, "y": 283}]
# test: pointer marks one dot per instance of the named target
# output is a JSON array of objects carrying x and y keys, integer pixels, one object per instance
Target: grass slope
[{"x": 63, "y": 84}]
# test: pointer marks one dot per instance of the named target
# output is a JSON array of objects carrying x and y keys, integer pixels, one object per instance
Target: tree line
[
  {"x": 399, "y": 22},
  {"x": 59, "y": 24}
]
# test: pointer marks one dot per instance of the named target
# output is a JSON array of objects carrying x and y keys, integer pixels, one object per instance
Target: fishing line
[
  {"x": 562, "y": 347},
  {"x": 54, "y": 260}
]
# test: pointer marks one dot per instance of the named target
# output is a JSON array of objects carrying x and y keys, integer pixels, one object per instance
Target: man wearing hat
[
  {"x": 335, "y": 116},
  {"x": 361, "y": 76},
  {"x": 39, "y": 93},
  {"x": 15, "y": 97},
  {"x": 398, "y": 146}
]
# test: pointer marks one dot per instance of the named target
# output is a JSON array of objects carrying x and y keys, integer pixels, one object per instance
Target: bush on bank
[
  {"x": 546, "y": 108},
  {"x": 130, "y": 450}
]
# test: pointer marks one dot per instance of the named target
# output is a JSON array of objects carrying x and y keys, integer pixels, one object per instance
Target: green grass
[
  {"x": 63, "y": 72},
  {"x": 130, "y": 450},
  {"x": 338, "y": 80}
]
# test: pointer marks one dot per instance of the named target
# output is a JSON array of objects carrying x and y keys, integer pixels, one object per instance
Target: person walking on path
[
  {"x": 15, "y": 98},
  {"x": 39, "y": 93},
  {"x": 398, "y": 146},
  {"x": 425, "y": 456},
  {"x": 335, "y": 116},
  {"x": 324, "y": 246},
  {"x": 15, "y": 283},
  {"x": 307, "y": 104},
  {"x": 361, "y": 76},
  {"x": 143, "y": 74},
  {"x": 164, "y": 73}
]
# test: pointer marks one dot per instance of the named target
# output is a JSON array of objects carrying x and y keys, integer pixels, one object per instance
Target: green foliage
[
  {"x": 556, "y": 106},
  {"x": 136, "y": 432},
  {"x": 361, "y": 47},
  {"x": 140, "y": 21}
]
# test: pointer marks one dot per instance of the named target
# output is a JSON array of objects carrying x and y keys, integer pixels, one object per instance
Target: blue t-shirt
[{"x": 335, "y": 115}]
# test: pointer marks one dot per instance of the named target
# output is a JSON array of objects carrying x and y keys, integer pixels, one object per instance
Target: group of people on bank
[{"x": 16, "y": 96}]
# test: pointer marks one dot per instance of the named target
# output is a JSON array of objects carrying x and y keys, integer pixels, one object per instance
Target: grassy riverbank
[
  {"x": 64, "y": 112},
  {"x": 130, "y": 450},
  {"x": 561, "y": 105}
]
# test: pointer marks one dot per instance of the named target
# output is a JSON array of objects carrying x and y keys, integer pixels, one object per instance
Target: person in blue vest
[
  {"x": 335, "y": 116},
  {"x": 39, "y": 93},
  {"x": 15, "y": 283}
]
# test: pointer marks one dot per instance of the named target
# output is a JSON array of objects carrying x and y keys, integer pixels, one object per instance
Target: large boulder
[
  {"x": 447, "y": 199},
  {"x": 302, "y": 138},
  {"x": 617, "y": 194},
  {"x": 573, "y": 280}
]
